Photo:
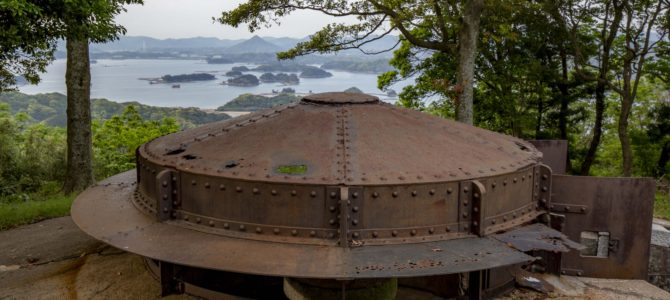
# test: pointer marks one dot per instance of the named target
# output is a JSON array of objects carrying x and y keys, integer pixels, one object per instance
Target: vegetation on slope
[
  {"x": 32, "y": 160},
  {"x": 50, "y": 110},
  {"x": 250, "y": 102}
]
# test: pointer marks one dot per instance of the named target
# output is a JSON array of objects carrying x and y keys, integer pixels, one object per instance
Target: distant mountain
[
  {"x": 143, "y": 43},
  {"x": 255, "y": 44},
  {"x": 285, "y": 43}
]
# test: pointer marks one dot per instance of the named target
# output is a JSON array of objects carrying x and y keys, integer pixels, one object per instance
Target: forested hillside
[{"x": 50, "y": 110}]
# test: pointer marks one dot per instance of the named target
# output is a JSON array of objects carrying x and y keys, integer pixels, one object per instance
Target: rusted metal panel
[
  {"x": 621, "y": 207},
  {"x": 537, "y": 237},
  {"x": 554, "y": 154},
  {"x": 137, "y": 232},
  {"x": 336, "y": 186},
  {"x": 354, "y": 144}
]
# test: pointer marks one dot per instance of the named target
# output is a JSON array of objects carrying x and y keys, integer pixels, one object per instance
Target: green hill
[
  {"x": 50, "y": 109},
  {"x": 250, "y": 102}
]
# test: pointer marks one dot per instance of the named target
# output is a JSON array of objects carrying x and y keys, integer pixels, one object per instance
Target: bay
[{"x": 118, "y": 80}]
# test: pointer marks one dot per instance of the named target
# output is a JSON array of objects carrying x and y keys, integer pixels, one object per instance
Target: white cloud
[{"x": 181, "y": 18}]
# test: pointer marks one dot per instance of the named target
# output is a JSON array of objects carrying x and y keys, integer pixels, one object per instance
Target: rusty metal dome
[{"x": 338, "y": 185}]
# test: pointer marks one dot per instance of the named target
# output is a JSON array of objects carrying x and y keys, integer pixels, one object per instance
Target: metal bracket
[
  {"x": 471, "y": 212},
  {"x": 542, "y": 186},
  {"x": 166, "y": 194},
  {"x": 568, "y": 208},
  {"x": 344, "y": 216},
  {"x": 613, "y": 245},
  {"x": 478, "y": 193}
]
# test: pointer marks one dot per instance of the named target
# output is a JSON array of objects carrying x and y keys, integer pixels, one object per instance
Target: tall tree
[
  {"x": 27, "y": 41},
  {"x": 602, "y": 19},
  {"x": 30, "y": 30},
  {"x": 640, "y": 33},
  {"x": 85, "y": 21},
  {"x": 447, "y": 27}
]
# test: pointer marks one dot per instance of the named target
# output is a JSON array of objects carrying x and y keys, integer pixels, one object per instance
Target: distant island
[
  {"x": 233, "y": 73},
  {"x": 250, "y": 102},
  {"x": 50, "y": 110},
  {"x": 314, "y": 72},
  {"x": 244, "y": 80},
  {"x": 287, "y": 79},
  {"x": 289, "y": 67},
  {"x": 218, "y": 60},
  {"x": 353, "y": 89},
  {"x": 240, "y": 69},
  {"x": 359, "y": 66},
  {"x": 187, "y": 77}
]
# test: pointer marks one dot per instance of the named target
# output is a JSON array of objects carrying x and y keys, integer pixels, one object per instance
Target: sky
[{"x": 181, "y": 19}]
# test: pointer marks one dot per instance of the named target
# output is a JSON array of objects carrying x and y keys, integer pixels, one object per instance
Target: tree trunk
[
  {"x": 626, "y": 106},
  {"x": 663, "y": 160},
  {"x": 607, "y": 35},
  {"x": 79, "y": 141},
  {"x": 538, "y": 125},
  {"x": 597, "y": 130},
  {"x": 565, "y": 96},
  {"x": 467, "y": 53},
  {"x": 624, "y": 138},
  {"x": 565, "y": 105}
]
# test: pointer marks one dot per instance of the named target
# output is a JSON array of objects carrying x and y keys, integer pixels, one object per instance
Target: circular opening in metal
[{"x": 340, "y": 98}]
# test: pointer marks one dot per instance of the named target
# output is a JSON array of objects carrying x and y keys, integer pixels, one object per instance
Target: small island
[
  {"x": 218, "y": 60},
  {"x": 353, "y": 89},
  {"x": 233, "y": 73},
  {"x": 244, "y": 81},
  {"x": 240, "y": 69},
  {"x": 251, "y": 102},
  {"x": 187, "y": 77},
  {"x": 314, "y": 72},
  {"x": 281, "y": 67},
  {"x": 287, "y": 79}
]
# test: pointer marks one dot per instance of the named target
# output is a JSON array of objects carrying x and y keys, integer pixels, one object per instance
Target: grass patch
[
  {"x": 292, "y": 169},
  {"x": 662, "y": 206},
  {"x": 37, "y": 208}
]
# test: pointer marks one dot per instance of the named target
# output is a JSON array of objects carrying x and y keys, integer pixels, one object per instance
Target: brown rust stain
[{"x": 68, "y": 276}]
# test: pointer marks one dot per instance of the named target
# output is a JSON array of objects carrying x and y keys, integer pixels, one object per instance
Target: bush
[
  {"x": 30, "y": 155},
  {"x": 115, "y": 140}
]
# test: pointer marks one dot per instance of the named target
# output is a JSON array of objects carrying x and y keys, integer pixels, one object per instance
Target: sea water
[{"x": 119, "y": 80}]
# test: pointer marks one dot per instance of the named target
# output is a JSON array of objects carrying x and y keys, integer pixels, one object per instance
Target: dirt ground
[{"x": 53, "y": 259}]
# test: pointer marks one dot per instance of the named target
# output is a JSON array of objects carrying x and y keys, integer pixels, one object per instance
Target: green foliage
[
  {"x": 30, "y": 154},
  {"x": 30, "y": 29},
  {"x": 50, "y": 109},
  {"x": 115, "y": 140},
  {"x": 26, "y": 43},
  {"x": 662, "y": 206},
  {"x": 251, "y": 102},
  {"x": 38, "y": 207}
]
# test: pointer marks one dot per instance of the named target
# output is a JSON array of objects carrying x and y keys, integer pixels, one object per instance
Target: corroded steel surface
[
  {"x": 337, "y": 186},
  {"x": 554, "y": 154},
  {"x": 109, "y": 215},
  {"x": 354, "y": 144},
  {"x": 620, "y": 207},
  {"x": 537, "y": 237}
]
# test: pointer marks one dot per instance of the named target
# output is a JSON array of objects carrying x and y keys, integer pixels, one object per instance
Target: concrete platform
[{"x": 54, "y": 260}]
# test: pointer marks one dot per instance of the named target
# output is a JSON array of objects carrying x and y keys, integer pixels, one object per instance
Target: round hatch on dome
[{"x": 340, "y": 98}]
